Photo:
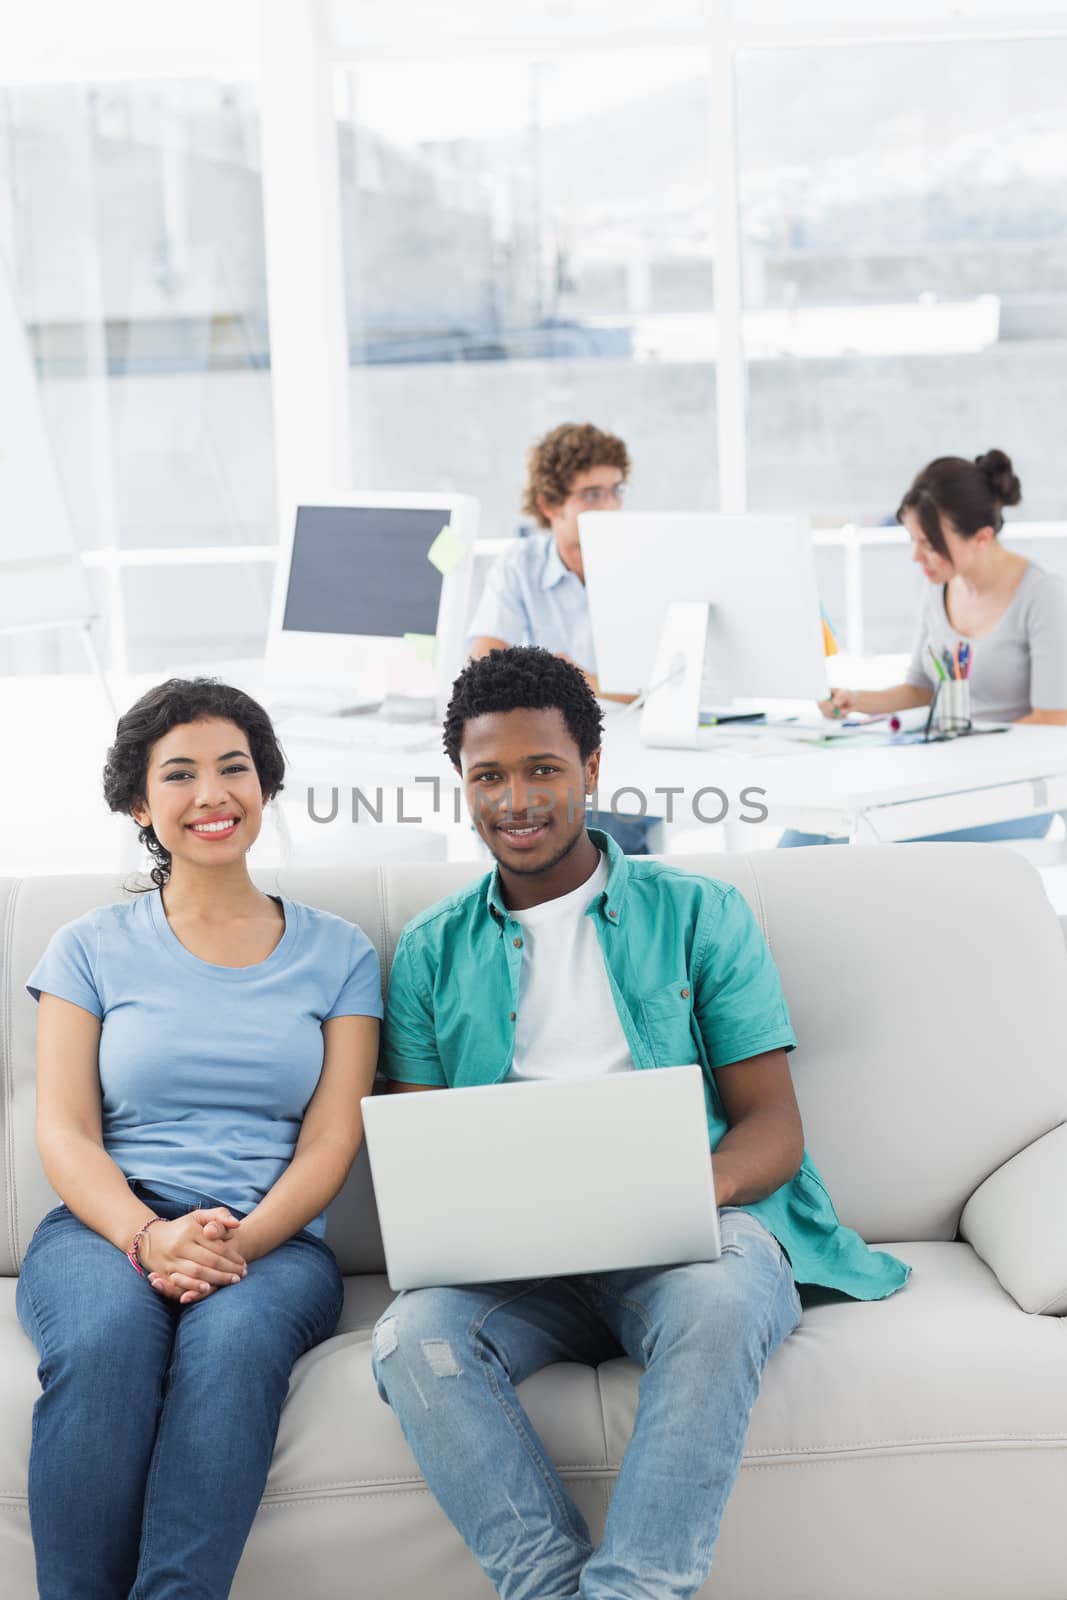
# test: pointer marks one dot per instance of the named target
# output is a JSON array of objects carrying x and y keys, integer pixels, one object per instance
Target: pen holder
[{"x": 954, "y": 706}]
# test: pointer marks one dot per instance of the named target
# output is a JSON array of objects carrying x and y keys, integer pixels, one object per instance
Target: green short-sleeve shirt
[{"x": 692, "y": 979}]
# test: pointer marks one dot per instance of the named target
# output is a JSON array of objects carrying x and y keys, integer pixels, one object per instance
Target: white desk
[
  {"x": 862, "y": 792},
  {"x": 57, "y": 729},
  {"x": 850, "y": 789}
]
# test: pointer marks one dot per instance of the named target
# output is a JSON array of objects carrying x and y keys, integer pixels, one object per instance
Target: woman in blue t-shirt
[{"x": 201, "y": 1055}]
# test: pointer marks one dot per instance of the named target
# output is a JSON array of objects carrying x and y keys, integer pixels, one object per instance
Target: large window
[
  {"x": 904, "y": 226},
  {"x": 528, "y": 229},
  {"x": 131, "y": 226},
  {"x": 527, "y": 242}
]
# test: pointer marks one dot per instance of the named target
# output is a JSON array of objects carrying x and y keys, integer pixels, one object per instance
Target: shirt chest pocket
[{"x": 667, "y": 1021}]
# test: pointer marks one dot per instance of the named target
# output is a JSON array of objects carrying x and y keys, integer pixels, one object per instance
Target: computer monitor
[
  {"x": 357, "y": 599},
  {"x": 757, "y": 575}
]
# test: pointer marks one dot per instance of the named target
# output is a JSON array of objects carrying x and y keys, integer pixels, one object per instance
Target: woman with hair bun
[
  {"x": 1010, "y": 611},
  {"x": 202, "y": 1050}
]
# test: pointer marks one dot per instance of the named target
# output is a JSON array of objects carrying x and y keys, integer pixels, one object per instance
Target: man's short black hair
[{"x": 523, "y": 678}]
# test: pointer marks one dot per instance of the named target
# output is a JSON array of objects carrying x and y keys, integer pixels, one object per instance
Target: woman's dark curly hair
[
  {"x": 167, "y": 706},
  {"x": 523, "y": 678}
]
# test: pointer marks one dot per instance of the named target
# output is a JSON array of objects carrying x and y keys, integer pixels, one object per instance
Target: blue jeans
[
  {"x": 987, "y": 833},
  {"x": 155, "y": 1429},
  {"x": 448, "y": 1362}
]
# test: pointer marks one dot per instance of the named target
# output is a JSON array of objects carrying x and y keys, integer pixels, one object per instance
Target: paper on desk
[
  {"x": 759, "y": 749},
  {"x": 447, "y": 550},
  {"x": 820, "y": 729},
  {"x": 423, "y": 644}
]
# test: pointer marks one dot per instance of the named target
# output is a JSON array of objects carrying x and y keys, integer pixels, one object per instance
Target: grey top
[{"x": 1019, "y": 664}]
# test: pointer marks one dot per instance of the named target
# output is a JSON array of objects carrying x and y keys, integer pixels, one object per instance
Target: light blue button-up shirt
[{"x": 530, "y": 597}]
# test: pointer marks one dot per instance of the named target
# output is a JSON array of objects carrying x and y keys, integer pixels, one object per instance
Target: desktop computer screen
[
  {"x": 370, "y": 598},
  {"x": 757, "y": 573},
  {"x": 363, "y": 570}
]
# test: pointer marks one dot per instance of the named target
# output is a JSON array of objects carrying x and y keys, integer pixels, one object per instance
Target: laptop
[{"x": 545, "y": 1179}]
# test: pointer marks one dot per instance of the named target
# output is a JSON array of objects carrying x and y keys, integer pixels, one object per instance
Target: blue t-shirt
[{"x": 206, "y": 1071}]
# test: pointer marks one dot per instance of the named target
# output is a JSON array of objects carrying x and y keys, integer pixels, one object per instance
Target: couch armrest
[{"x": 1017, "y": 1222}]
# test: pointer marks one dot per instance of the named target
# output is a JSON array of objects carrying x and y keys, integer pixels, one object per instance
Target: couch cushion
[
  {"x": 950, "y": 1360},
  {"x": 18, "y": 1390},
  {"x": 887, "y": 1446},
  {"x": 899, "y": 1431},
  {"x": 365, "y": 1300},
  {"x": 1017, "y": 1223}
]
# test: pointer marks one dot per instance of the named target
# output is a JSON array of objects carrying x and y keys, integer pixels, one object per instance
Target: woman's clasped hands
[{"x": 190, "y": 1257}]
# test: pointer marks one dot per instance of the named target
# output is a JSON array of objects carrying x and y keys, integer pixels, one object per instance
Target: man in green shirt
[{"x": 572, "y": 960}]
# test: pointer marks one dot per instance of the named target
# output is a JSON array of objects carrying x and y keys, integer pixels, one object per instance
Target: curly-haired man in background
[{"x": 535, "y": 592}]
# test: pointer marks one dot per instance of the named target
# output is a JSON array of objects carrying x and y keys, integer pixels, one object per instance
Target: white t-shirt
[{"x": 567, "y": 1024}]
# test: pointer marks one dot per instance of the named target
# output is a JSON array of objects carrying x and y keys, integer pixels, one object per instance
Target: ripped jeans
[{"x": 448, "y": 1362}]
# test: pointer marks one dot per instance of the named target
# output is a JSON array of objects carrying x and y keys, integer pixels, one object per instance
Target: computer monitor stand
[
  {"x": 671, "y": 715},
  {"x": 677, "y": 702}
]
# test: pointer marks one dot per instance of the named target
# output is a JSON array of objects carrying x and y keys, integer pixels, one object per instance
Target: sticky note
[
  {"x": 423, "y": 644},
  {"x": 447, "y": 550}
]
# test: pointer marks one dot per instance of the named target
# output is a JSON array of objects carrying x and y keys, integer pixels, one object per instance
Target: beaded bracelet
[{"x": 131, "y": 1254}]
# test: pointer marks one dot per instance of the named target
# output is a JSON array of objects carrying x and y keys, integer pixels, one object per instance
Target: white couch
[{"x": 913, "y": 1449}]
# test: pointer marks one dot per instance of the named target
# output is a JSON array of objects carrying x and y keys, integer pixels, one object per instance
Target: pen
[
  {"x": 946, "y": 657},
  {"x": 965, "y": 659},
  {"x": 936, "y": 662}
]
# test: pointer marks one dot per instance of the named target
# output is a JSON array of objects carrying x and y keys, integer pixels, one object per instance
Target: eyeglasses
[{"x": 597, "y": 496}]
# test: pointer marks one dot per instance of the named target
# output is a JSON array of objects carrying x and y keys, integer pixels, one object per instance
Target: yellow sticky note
[
  {"x": 423, "y": 644},
  {"x": 447, "y": 550}
]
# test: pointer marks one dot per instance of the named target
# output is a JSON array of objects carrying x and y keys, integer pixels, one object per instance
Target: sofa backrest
[{"x": 927, "y": 985}]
